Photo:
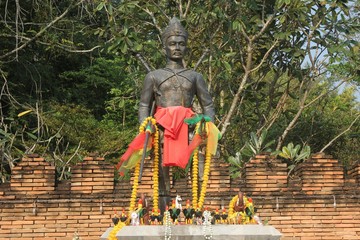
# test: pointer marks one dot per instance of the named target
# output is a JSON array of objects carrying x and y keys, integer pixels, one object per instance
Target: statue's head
[
  {"x": 174, "y": 29},
  {"x": 174, "y": 39}
]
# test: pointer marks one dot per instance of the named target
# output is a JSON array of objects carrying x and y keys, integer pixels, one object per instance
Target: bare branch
[
  {"x": 302, "y": 106},
  {"x": 42, "y": 31},
  {"x": 294, "y": 120},
  {"x": 67, "y": 162},
  {"x": 79, "y": 51},
  {"x": 245, "y": 34},
  {"x": 239, "y": 91},
  {"x": 266, "y": 25},
  {"x": 340, "y": 134},
  {"x": 187, "y": 8},
  {"x": 265, "y": 56},
  {"x": 160, "y": 9},
  {"x": 201, "y": 58},
  {"x": 181, "y": 13},
  {"x": 323, "y": 94},
  {"x": 151, "y": 14},
  {"x": 17, "y": 16}
]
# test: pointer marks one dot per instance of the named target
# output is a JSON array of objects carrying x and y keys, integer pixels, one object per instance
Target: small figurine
[
  {"x": 153, "y": 217},
  {"x": 159, "y": 217},
  {"x": 224, "y": 216},
  {"x": 240, "y": 205},
  {"x": 140, "y": 211},
  {"x": 135, "y": 219},
  {"x": 115, "y": 219},
  {"x": 217, "y": 216},
  {"x": 249, "y": 210},
  {"x": 174, "y": 212},
  {"x": 123, "y": 216},
  {"x": 188, "y": 212},
  {"x": 257, "y": 220},
  {"x": 206, "y": 217},
  {"x": 178, "y": 200},
  {"x": 198, "y": 216}
]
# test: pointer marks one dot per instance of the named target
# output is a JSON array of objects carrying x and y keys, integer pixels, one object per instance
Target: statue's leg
[
  {"x": 164, "y": 182},
  {"x": 164, "y": 187}
]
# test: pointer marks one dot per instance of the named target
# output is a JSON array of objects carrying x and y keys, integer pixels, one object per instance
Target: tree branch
[
  {"x": 340, "y": 134},
  {"x": 323, "y": 94},
  {"x": 240, "y": 89},
  {"x": 151, "y": 14},
  {"x": 201, "y": 58},
  {"x": 42, "y": 31},
  {"x": 63, "y": 47},
  {"x": 187, "y": 8},
  {"x": 270, "y": 19},
  {"x": 293, "y": 121},
  {"x": 265, "y": 56}
]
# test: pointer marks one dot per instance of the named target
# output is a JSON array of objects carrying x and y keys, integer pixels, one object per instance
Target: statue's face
[{"x": 175, "y": 47}]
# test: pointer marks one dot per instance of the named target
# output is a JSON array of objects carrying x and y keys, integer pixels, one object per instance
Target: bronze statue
[{"x": 173, "y": 89}]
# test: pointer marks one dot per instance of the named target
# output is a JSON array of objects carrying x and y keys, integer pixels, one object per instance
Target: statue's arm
[
  {"x": 146, "y": 98},
  {"x": 204, "y": 97}
]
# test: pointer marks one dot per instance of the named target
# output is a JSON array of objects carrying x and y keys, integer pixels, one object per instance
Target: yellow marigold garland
[
  {"x": 137, "y": 170},
  {"x": 117, "y": 227},
  {"x": 198, "y": 201},
  {"x": 134, "y": 188},
  {"x": 245, "y": 219},
  {"x": 205, "y": 177},
  {"x": 156, "y": 169},
  {"x": 206, "y": 172},
  {"x": 195, "y": 173},
  {"x": 232, "y": 204},
  {"x": 142, "y": 128}
]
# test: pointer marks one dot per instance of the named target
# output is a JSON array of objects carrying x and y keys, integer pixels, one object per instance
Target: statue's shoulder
[
  {"x": 160, "y": 73},
  {"x": 192, "y": 73}
]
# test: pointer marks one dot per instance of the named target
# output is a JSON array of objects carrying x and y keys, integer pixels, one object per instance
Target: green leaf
[
  {"x": 100, "y": 6},
  {"x": 227, "y": 66},
  {"x": 31, "y": 135}
]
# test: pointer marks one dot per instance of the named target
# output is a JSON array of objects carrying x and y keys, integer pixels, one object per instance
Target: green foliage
[
  {"x": 295, "y": 154},
  {"x": 292, "y": 153},
  {"x": 257, "y": 144},
  {"x": 236, "y": 164},
  {"x": 77, "y": 131},
  {"x": 81, "y": 74}
]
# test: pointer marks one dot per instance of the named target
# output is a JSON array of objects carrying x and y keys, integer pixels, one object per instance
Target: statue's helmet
[{"x": 174, "y": 29}]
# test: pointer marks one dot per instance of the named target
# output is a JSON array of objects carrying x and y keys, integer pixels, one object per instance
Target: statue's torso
[{"x": 174, "y": 87}]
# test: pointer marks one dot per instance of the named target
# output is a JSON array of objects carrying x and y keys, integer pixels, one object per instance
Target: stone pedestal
[{"x": 194, "y": 232}]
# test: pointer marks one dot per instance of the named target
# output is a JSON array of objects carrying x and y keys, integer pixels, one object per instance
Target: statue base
[{"x": 193, "y": 232}]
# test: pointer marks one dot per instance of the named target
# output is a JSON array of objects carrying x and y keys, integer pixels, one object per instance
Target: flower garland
[
  {"x": 134, "y": 188},
  {"x": 198, "y": 200},
  {"x": 232, "y": 204},
  {"x": 195, "y": 173},
  {"x": 245, "y": 218},
  {"x": 206, "y": 173},
  {"x": 156, "y": 169},
  {"x": 117, "y": 227},
  {"x": 143, "y": 127}
]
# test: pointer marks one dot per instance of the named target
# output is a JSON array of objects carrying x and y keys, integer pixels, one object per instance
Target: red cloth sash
[{"x": 175, "y": 134}]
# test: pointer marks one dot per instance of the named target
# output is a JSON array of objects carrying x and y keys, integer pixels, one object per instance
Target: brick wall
[{"x": 320, "y": 201}]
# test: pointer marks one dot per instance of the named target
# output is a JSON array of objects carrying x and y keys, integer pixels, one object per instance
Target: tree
[{"x": 271, "y": 66}]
